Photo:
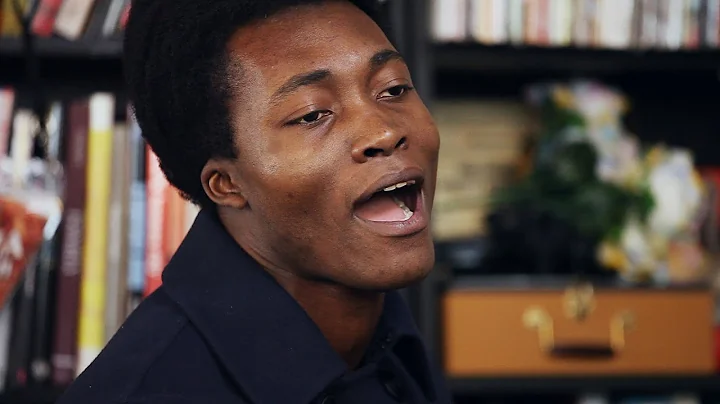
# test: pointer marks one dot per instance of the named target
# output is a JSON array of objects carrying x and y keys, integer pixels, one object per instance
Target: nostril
[
  {"x": 385, "y": 149},
  {"x": 373, "y": 152}
]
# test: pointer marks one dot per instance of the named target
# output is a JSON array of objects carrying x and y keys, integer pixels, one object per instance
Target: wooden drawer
[{"x": 578, "y": 330}]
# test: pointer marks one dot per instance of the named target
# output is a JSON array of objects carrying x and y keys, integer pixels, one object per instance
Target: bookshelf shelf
[
  {"x": 517, "y": 59},
  {"x": 531, "y": 282},
  {"x": 60, "y": 48},
  {"x": 709, "y": 385},
  {"x": 37, "y": 395}
]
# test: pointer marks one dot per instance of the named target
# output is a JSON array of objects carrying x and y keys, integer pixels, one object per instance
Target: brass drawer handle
[{"x": 539, "y": 319}]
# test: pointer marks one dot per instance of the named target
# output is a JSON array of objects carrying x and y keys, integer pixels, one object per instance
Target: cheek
[
  {"x": 428, "y": 135},
  {"x": 292, "y": 185}
]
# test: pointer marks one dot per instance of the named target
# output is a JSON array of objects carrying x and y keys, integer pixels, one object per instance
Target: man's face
[{"x": 337, "y": 153}]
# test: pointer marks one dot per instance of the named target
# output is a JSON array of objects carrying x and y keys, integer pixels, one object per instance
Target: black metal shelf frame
[
  {"x": 61, "y": 48},
  {"x": 667, "y": 384},
  {"x": 508, "y": 59}
]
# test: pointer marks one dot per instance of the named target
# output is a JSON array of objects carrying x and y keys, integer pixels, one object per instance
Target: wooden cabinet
[{"x": 577, "y": 330}]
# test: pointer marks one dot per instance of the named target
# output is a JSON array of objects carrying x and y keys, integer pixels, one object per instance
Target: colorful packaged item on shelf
[
  {"x": 29, "y": 214},
  {"x": 21, "y": 234}
]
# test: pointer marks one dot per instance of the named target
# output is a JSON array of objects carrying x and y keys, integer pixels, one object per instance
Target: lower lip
[{"x": 416, "y": 224}]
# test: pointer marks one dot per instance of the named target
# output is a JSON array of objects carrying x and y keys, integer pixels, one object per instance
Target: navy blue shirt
[{"x": 221, "y": 330}]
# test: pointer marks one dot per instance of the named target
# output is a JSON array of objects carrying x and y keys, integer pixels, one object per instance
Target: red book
[
  {"x": 44, "y": 19},
  {"x": 124, "y": 16},
  {"x": 157, "y": 192}
]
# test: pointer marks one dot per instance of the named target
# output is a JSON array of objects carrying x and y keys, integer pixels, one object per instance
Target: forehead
[{"x": 333, "y": 35}]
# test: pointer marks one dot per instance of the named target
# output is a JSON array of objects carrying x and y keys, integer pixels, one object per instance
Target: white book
[
  {"x": 516, "y": 21},
  {"x": 561, "y": 27},
  {"x": 72, "y": 18},
  {"x": 500, "y": 18},
  {"x": 675, "y": 28},
  {"x": 449, "y": 20},
  {"x": 479, "y": 27},
  {"x": 191, "y": 212},
  {"x": 7, "y": 102},
  {"x": 616, "y": 23}
]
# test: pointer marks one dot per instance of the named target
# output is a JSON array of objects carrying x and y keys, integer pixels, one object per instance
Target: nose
[{"x": 377, "y": 144}]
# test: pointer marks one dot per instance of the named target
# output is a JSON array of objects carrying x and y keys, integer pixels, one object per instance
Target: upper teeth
[{"x": 398, "y": 185}]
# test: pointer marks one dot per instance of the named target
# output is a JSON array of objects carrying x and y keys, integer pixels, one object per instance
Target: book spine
[
  {"x": 116, "y": 276},
  {"x": 7, "y": 101},
  {"x": 692, "y": 31},
  {"x": 6, "y": 322},
  {"x": 712, "y": 24},
  {"x": 44, "y": 19},
  {"x": 39, "y": 366},
  {"x": 21, "y": 337},
  {"x": 45, "y": 286},
  {"x": 91, "y": 336},
  {"x": 191, "y": 212},
  {"x": 122, "y": 294},
  {"x": 64, "y": 358},
  {"x": 450, "y": 21},
  {"x": 138, "y": 206},
  {"x": 96, "y": 20},
  {"x": 156, "y": 204},
  {"x": 516, "y": 21},
  {"x": 124, "y": 15},
  {"x": 112, "y": 19},
  {"x": 72, "y": 18},
  {"x": 11, "y": 26}
]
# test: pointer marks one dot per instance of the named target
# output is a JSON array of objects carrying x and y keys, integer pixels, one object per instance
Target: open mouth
[{"x": 394, "y": 203}]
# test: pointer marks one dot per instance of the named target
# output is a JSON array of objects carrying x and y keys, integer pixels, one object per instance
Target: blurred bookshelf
[
  {"x": 61, "y": 65},
  {"x": 482, "y": 59}
]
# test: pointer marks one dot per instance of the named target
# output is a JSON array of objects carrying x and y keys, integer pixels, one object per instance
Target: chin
[{"x": 396, "y": 271}]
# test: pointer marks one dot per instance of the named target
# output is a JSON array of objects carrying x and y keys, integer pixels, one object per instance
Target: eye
[
  {"x": 395, "y": 92},
  {"x": 311, "y": 118}
]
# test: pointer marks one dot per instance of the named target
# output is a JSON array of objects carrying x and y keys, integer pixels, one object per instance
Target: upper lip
[{"x": 404, "y": 175}]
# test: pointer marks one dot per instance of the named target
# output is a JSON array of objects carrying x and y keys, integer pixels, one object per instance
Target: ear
[{"x": 221, "y": 182}]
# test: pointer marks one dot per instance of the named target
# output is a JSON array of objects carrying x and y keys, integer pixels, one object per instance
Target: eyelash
[
  {"x": 323, "y": 113},
  {"x": 406, "y": 88}
]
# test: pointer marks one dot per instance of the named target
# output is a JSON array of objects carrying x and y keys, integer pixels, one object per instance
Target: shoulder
[{"x": 156, "y": 357}]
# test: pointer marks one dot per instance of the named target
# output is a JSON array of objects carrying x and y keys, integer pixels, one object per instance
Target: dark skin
[{"x": 309, "y": 148}]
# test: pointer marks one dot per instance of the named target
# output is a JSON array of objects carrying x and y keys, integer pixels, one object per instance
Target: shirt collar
[{"x": 267, "y": 342}]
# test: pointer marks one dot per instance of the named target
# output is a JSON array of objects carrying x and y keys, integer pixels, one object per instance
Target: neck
[{"x": 347, "y": 318}]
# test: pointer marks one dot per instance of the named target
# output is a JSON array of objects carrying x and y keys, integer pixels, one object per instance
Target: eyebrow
[
  {"x": 301, "y": 80},
  {"x": 384, "y": 57},
  {"x": 377, "y": 61}
]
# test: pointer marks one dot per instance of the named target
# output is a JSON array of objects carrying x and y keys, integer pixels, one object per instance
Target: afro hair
[{"x": 177, "y": 70}]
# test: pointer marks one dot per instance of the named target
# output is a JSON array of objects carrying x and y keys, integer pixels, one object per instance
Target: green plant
[{"x": 564, "y": 180}]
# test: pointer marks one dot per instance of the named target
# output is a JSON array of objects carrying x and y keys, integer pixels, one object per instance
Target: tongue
[{"x": 381, "y": 208}]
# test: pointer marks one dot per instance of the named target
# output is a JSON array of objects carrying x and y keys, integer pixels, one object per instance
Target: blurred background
[{"x": 576, "y": 214}]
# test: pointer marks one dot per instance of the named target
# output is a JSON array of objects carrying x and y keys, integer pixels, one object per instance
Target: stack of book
[
  {"x": 611, "y": 24},
  {"x": 121, "y": 223},
  {"x": 74, "y": 20}
]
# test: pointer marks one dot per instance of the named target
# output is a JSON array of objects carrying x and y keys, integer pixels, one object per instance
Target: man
[{"x": 296, "y": 128}]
